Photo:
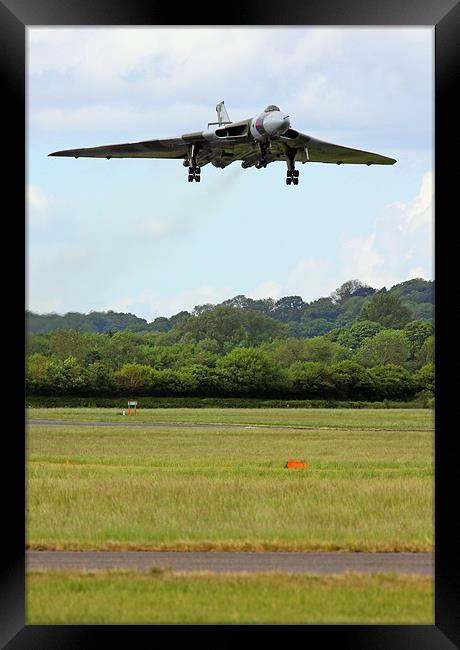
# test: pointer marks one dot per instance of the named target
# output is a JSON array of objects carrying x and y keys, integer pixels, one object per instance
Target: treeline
[
  {"x": 227, "y": 351},
  {"x": 303, "y": 319},
  {"x": 241, "y": 373}
]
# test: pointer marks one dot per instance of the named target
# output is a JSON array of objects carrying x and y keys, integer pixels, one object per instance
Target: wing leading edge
[
  {"x": 163, "y": 148},
  {"x": 313, "y": 150}
]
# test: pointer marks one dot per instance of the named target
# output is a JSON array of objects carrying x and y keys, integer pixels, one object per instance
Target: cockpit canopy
[{"x": 271, "y": 108}]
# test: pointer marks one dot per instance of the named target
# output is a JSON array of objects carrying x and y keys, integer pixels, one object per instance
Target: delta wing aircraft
[{"x": 257, "y": 142}]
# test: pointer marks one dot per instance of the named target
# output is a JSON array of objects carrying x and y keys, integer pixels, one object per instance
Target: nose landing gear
[{"x": 263, "y": 162}]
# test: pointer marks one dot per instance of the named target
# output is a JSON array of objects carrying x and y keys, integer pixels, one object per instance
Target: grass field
[
  {"x": 117, "y": 597},
  {"x": 399, "y": 419},
  {"x": 227, "y": 488}
]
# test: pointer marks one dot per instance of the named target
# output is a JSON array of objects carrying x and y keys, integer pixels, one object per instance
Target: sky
[{"x": 134, "y": 236}]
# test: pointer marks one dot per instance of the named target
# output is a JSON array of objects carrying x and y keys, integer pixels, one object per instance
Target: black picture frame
[{"x": 444, "y": 17}]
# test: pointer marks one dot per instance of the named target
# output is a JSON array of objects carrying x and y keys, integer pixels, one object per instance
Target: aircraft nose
[{"x": 277, "y": 124}]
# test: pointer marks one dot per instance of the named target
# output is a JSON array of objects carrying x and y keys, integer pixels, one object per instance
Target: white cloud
[
  {"x": 268, "y": 289},
  {"x": 419, "y": 211},
  {"x": 401, "y": 237},
  {"x": 362, "y": 260},
  {"x": 41, "y": 208},
  {"x": 309, "y": 278},
  {"x": 164, "y": 59},
  {"x": 98, "y": 77},
  {"x": 400, "y": 246},
  {"x": 111, "y": 118},
  {"x": 417, "y": 272},
  {"x": 39, "y": 200},
  {"x": 149, "y": 305}
]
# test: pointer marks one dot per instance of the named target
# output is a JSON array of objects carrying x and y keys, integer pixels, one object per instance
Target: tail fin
[{"x": 222, "y": 115}]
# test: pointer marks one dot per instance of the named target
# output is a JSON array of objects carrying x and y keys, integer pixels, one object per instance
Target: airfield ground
[
  {"x": 115, "y": 597},
  {"x": 368, "y": 487}
]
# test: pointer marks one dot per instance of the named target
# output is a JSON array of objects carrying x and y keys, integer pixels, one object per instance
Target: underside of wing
[
  {"x": 315, "y": 150},
  {"x": 163, "y": 148}
]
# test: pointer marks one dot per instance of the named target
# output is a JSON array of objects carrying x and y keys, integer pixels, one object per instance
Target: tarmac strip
[
  {"x": 234, "y": 561},
  {"x": 194, "y": 425}
]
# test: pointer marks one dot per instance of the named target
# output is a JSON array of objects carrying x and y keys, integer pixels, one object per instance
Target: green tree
[
  {"x": 38, "y": 343},
  {"x": 315, "y": 349},
  {"x": 288, "y": 352},
  {"x": 393, "y": 382},
  {"x": 74, "y": 381},
  {"x": 160, "y": 324},
  {"x": 388, "y": 346},
  {"x": 264, "y": 305},
  {"x": 349, "y": 311},
  {"x": 289, "y": 308},
  {"x": 417, "y": 332},
  {"x": 321, "y": 308},
  {"x": 99, "y": 378},
  {"x": 426, "y": 352},
  {"x": 351, "y": 288},
  {"x": 387, "y": 309},
  {"x": 310, "y": 328},
  {"x": 64, "y": 343},
  {"x": 53, "y": 376},
  {"x": 424, "y": 377},
  {"x": 197, "y": 380},
  {"x": 250, "y": 371},
  {"x": 38, "y": 379},
  {"x": 310, "y": 380},
  {"x": 231, "y": 327},
  {"x": 354, "y": 337},
  {"x": 121, "y": 348},
  {"x": 352, "y": 381},
  {"x": 135, "y": 378},
  {"x": 415, "y": 291}
]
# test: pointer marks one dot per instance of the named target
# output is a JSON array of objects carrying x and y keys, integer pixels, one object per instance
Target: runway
[
  {"x": 234, "y": 561},
  {"x": 193, "y": 425}
]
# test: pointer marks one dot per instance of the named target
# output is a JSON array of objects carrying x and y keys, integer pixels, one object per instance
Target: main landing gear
[
  {"x": 194, "y": 174},
  {"x": 292, "y": 176},
  {"x": 193, "y": 170}
]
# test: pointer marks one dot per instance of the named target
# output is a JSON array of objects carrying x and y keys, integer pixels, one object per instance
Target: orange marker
[{"x": 296, "y": 464}]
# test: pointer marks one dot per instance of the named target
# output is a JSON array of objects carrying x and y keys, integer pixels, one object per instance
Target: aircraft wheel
[
  {"x": 198, "y": 170},
  {"x": 288, "y": 180},
  {"x": 190, "y": 178},
  {"x": 198, "y": 178},
  {"x": 295, "y": 181},
  {"x": 295, "y": 173}
]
